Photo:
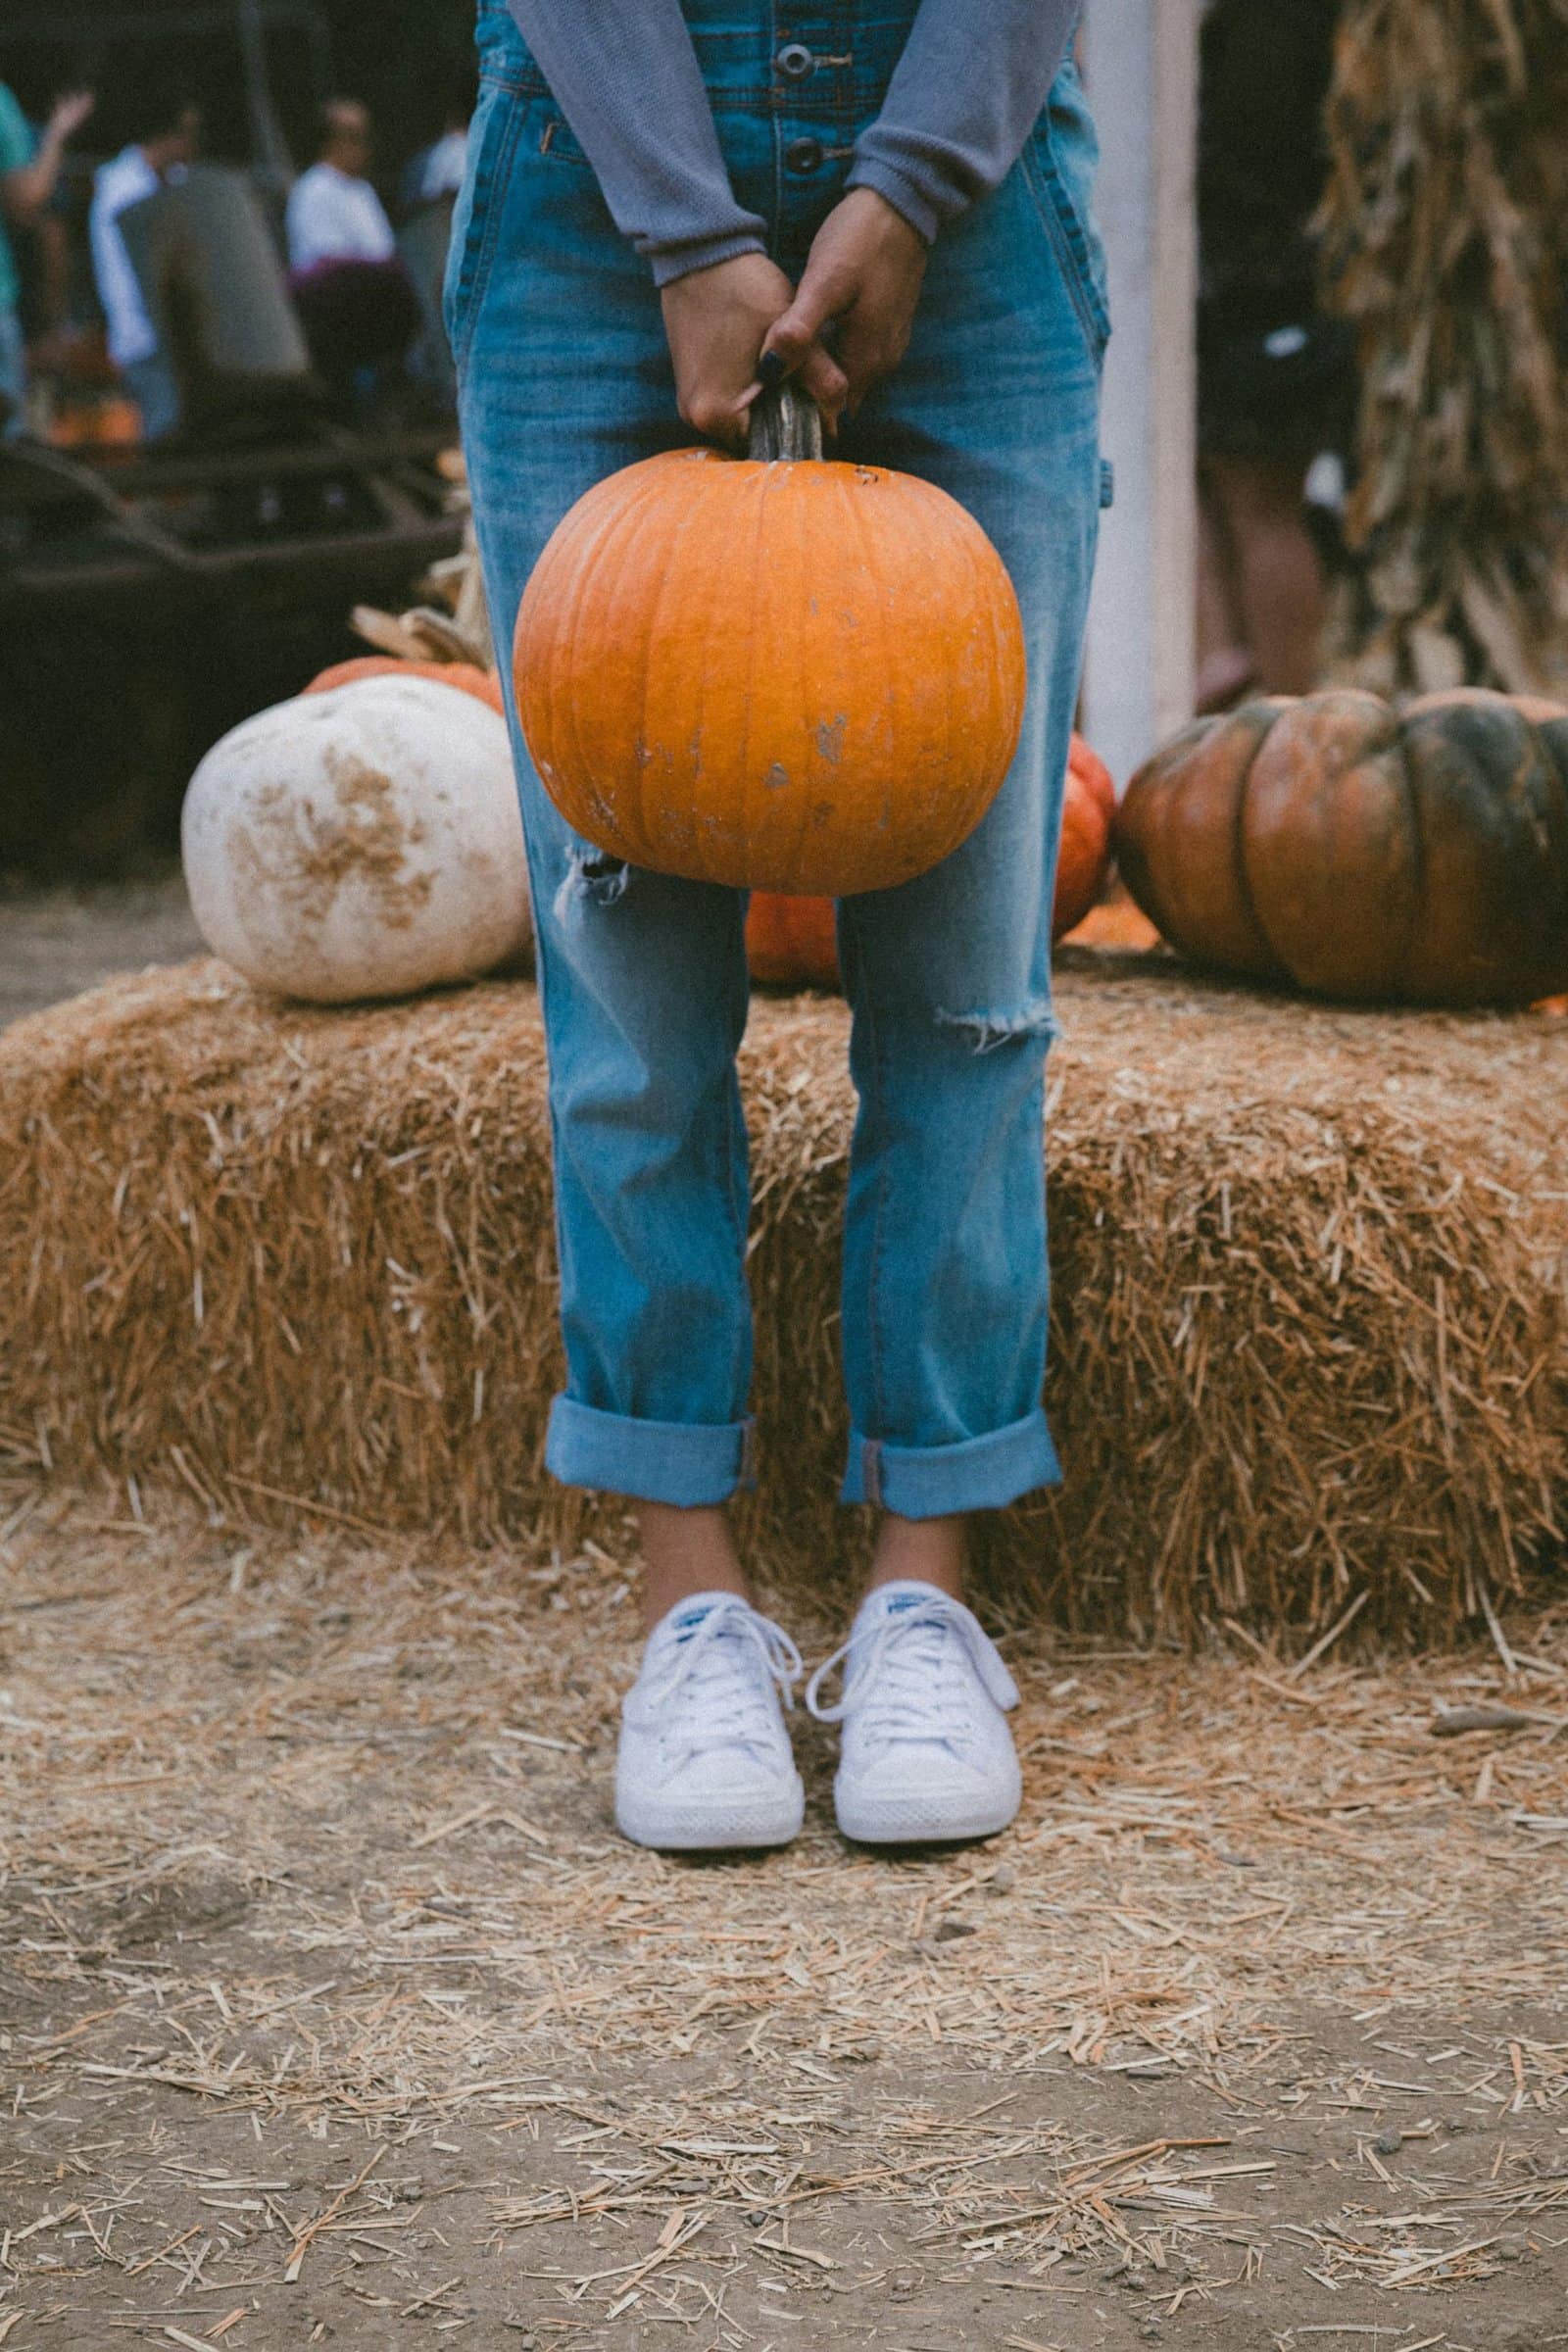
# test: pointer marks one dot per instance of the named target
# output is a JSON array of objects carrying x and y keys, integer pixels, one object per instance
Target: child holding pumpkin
[{"x": 670, "y": 204}]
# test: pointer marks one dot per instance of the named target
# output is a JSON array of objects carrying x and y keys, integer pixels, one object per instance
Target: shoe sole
[
  {"x": 909, "y": 1823},
  {"x": 715, "y": 1829}
]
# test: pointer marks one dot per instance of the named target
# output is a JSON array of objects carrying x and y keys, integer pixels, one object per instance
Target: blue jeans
[{"x": 563, "y": 377}]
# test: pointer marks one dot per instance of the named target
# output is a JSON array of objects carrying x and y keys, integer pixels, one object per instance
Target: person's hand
[
  {"x": 71, "y": 112},
  {"x": 862, "y": 277},
  {"x": 716, "y": 321}
]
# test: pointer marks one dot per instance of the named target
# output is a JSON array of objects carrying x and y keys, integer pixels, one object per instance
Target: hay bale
[{"x": 1311, "y": 1283}]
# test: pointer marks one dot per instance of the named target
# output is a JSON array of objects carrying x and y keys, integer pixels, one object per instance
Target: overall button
[
  {"x": 802, "y": 156},
  {"x": 795, "y": 61}
]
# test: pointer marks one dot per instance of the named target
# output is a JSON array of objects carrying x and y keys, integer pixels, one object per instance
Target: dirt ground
[
  {"x": 332, "y": 2010},
  {"x": 56, "y": 943}
]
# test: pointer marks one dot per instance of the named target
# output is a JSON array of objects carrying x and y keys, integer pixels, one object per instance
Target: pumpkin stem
[{"x": 786, "y": 424}]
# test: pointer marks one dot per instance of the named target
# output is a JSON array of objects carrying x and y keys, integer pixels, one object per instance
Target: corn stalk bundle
[{"x": 1445, "y": 241}]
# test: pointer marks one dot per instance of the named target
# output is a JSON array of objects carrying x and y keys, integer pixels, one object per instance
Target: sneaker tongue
[
  {"x": 685, "y": 1622},
  {"x": 901, "y": 1600},
  {"x": 892, "y": 1606}
]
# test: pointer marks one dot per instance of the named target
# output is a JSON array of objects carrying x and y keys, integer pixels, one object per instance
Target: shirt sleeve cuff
[
  {"x": 904, "y": 194},
  {"x": 671, "y": 261}
]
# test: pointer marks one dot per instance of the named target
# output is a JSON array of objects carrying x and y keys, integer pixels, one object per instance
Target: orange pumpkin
[
  {"x": 1085, "y": 767},
  {"x": 103, "y": 424},
  {"x": 772, "y": 672},
  {"x": 791, "y": 942},
  {"x": 1361, "y": 852},
  {"x": 1087, "y": 813},
  {"x": 466, "y": 676},
  {"x": 1117, "y": 923}
]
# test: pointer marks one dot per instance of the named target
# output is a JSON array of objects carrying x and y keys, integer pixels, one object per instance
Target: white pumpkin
[{"x": 360, "y": 842}]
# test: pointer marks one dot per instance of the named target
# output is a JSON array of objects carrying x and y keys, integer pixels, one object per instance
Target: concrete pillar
[{"x": 1141, "y": 65}]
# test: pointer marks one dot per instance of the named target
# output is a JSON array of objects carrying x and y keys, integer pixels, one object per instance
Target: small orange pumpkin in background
[
  {"x": 466, "y": 676},
  {"x": 772, "y": 672},
  {"x": 791, "y": 943},
  {"x": 106, "y": 422},
  {"x": 1087, "y": 814}
]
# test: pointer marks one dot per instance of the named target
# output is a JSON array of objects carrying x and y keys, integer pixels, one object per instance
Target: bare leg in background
[{"x": 1278, "y": 577}]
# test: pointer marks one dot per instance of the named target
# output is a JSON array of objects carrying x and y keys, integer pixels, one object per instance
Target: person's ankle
[
  {"x": 686, "y": 1552},
  {"x": 926, "y": 1552}
]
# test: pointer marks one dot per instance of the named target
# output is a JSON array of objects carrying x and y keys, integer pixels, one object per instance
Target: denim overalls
[{"x": 563, "y": 377}]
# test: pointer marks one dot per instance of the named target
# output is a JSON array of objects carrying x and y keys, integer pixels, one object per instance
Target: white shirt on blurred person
[
  {"x": 444, "y": 165},
  {"x": 334, "y": 217},
  {"x": 118, "y": 185}
]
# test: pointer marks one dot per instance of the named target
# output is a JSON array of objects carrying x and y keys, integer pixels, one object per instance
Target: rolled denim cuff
[
  {"x": 681, "y": 1462},
  {"x": 936, "y": 1482}
]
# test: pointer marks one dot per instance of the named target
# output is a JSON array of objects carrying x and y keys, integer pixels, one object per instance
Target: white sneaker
[
  {"x": 704, "y": 1758},
  {"x": 927, "y": 1752}
]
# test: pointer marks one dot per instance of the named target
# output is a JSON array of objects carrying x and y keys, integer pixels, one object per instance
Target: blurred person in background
[
  {"x": 357, "y": 309},
  {"x": 1276, "y": 376},
  {"x": 29, "y": 172},
  {"x": 436, "y": 172},
  {"x": 168, "y": 133},
  {"x": 334, "y": 214}
]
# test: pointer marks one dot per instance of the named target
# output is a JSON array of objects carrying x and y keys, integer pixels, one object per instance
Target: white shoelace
[
  {"x": 909, "y": 1681},
  {"x": 714, "y": 1692}
]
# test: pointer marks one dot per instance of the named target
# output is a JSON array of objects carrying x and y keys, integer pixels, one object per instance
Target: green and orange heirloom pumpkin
[{"x": 1416, "y": 856}]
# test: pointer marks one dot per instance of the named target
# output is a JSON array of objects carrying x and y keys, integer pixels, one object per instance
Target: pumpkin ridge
[
  {"x": 1553, "y": 734},
  {"x": 891, "y": 661},
  {"x": 558, "y": 642},
  {"x": 1244, "y": 879},
  {"x": 1352, "y": 736},
  {"x": 641, "y": 830},
  {"x": 883, "y": 602},
  {"x": 751, "y": 787},
  {"x": 801, "y": 692},
  {"x": 536, "y": 723},
  {"x": 729, "y": 488},
  {"x": 563, "y": 611},
  {"x": 595, "y": 561},
  {"x": 628, "y": 773},
  {"x": 992, "y": 671},
  {"x": 558, "y": 665},
  {"x": 632, "y": 840},
  {"x": 1420, "y": 853},
  {"x": 1147, "y": 789}
]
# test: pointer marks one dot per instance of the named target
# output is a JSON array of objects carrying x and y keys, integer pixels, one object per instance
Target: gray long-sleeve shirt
[{"x": 972, "y": 78}]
